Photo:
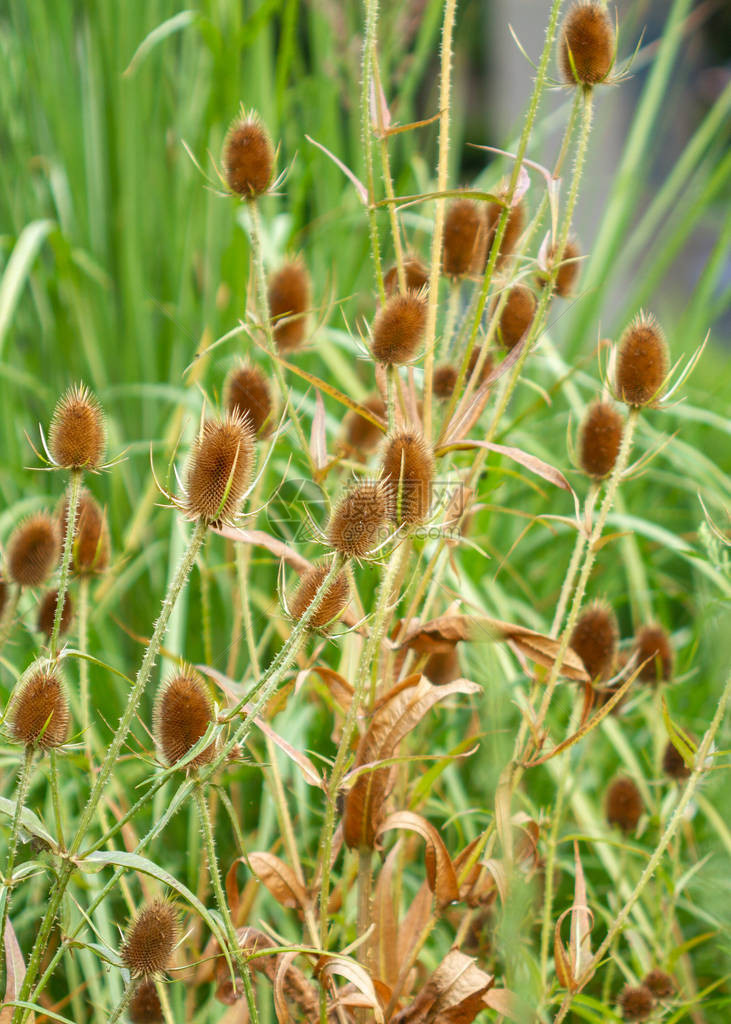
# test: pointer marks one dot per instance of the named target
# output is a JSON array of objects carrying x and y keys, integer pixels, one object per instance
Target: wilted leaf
[
  {"x": 259, "y": 539},
  {"x": 279, "y": 878},
  {"x": 454, "y": 994},
  {"x": 571, "y": 964},
  {"x": 14, "y": 971},
  {"x": 508, "y": 1004},
  {"x": 318, "y": 443},
  {"x": 385, "y": 938},
  {"x": 328, "y": 965},
  {"x": 440, "y": 873}
]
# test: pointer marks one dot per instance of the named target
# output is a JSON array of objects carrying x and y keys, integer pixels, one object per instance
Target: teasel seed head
[
  {"x": 513, "y": 229},
  {"x": 248, "y": 158},
  {"x": 568, "y": 271},
  {"x": 39, "y": 712},
  {"x": 673, "y": 764},
  {"x": 642, "y": 362},
  {"x": 77, "y": 436},
  {"x": 624, "y": 804},
  {"x": 90, "y": 552},
  {"x": 517, "y": 315},
  {"x": 333, "y": 603},
  {"x": 463, "y": 248},
  {"x": 150, "y": 939},
  {"x": 408, "y": 471},
  {"x": 445, "y": 378},
  {"x": 659, "y": 983},
  {"x": 653, "y": 642},
  {"x": 416, "y": 274},
  {"x": 248, "y": 393},
  {"x": 586, "y": 44},
  {"x": 595, "y": 638},
  {"x": 144, "y": 1006},
  {"x": 219, "y": 469},
  {"x": 47, "y": 612},
  {"x": 398, "y": 328},
  {"x": 33, "y": 550},
  {"x": 600, "y": 439},
  {"x": 360, "y": 433},
  {"x": 636, "y": 1002},
  {"x": 358, "y": 520},
  {"x": 183, "y": 712},
  {"x": 289, "y": 299}
]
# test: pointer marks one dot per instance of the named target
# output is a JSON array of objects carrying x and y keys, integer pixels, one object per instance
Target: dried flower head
[
  {"x": 442, "y": 666},
  {"x": 333, "y": 603},
  {"x": 398, "y": 328},
  {"x": 33, "y": 550},
  {"x": 47, "y": 612},
  {"x": 673, "y": 764},
  {"x": 600, "y": 439},
  {"x": 636, "y": 1002},
  {"x": 642, "y": 361},
  {"x": 144, "y": 1005},
  {"x": 568, "y": 270},
  {"x": 248, "y": 393},
  {"x": 517, "y": 315},
  {"x": 464, "y": 238},
  {"x": 659, "y": 983},
  {"x": 39, "y": 712},
  {"x": 653, "y": 642},
  {"x": 357, "y": 520},
  {"x": 360, "y": 433},
  {"x": 77, "y": 437},
  {"x": 150, "y": 939},
  {"x": 445, "y": 378},
  {"x": 90, "y": 552},
  {"x": 416, "y": 274},
  {"x": 586, "y": 44},
  {"x": 248, "y": 158},
  {"x": 624, "y": 804},
  {"x": 595, "y": 638},
  {"x": 408, "y": 472},
  {"x": 289, "y": 299},
  {"x": 513, "y": 229},
  {"x": 219, "y": 469},
  {"x": 182, "y": 714}
]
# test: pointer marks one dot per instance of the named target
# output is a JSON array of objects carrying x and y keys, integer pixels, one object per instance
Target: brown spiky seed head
[
  {"x": 653, "y": 642},
  {"x": 636, "y": 1002},
  {"x": 399, "y": 328},
  {"x": 586, "y": 44},
  {"x": 90, "y": 551},
  {"x": 219, "y": 469},
  {"x": 642, "y": 362},
  {"x": 150, "y": 939},
  {"x": 445, "y": 378},
  {"x": 39, "y": 712},
  {"x": 77, "y": 436},
  {"x": 568, "y": 271},
  {"x": 47, "y": 613},
  {"x": 624, "y": 804},
  {"x": 33, "y": 550},
  {"x": 333, "y": 603},
  {"x": 600, "y": 439},
  {"x": 408, "y": 472},
  {"x": 673, "y": 764},
  {"x": 248, "y": 158},
  {"x": 356, "y": 524},
  {"x": 659, "y": 983},
  {"x": 144, "y": 1005},
  {"x": 248, "y": 393},
  {"x": 595, "y": 639},
  {"x": 416, "y": 274},
  {"x": 289, "y": 300},
  {"x": 464, "y": 238},
  {"x": 517, "y": 315},
  {"x": 513, "y": 229},
  {"x": 182, "y": 714}
]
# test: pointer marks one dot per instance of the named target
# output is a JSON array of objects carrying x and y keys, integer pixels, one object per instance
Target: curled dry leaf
[
  {"x": 440, "y": 873},
  {"x": 572, "y": 964},
  {"x": 455, "y": 993},
  {"x": 329, "y": 965},
  {"x": 279, "y": 878},
  {"x": 385, "y": 938}
]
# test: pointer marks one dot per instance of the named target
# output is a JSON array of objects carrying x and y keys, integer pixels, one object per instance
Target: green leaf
[
  {"x": 31, "y": 825},
  {"x": 18, "y": 269}
]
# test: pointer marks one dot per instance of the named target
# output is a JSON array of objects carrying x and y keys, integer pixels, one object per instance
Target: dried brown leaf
[
  {"x": 279, "y": 878},
  {"x": 385, "y": 938},
  {"x": 440, "y": 873},
  {"x": 455, "y": 993}
]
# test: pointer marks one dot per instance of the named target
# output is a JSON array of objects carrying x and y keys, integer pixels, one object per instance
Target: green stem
[
  {"x": 387, "y": 176},
  {"x": 56, "y": 797},
  {"x": 122, "y": 1004},
  {"x": 20, "y": 798},
  {"x": 581, "y": 538},
  {"x": 83, "y": 635},
  {"x": 369, "y": 42},
  {"x": 68, "y": 543}
]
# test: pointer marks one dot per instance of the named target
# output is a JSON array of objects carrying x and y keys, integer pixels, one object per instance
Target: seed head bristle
[
  {"x": 248, "y": 393},
  {"x": 33, "y": 550},
  {"x": 595, "y": 638},
  {"x": 144, "y": 1006},
  {"x": 659, "y": 983},
  {"x": 219, "y": 469},
  {"x": 465, "y": 232},
  {"x": 653, "y": 642},
  {"x": 360, "y": 433},
  {"x": 513, "y": 229},
  {"x": 673, "y": 764},
  {"x": 289, "y": 300},
  {"x": 416, "y": 274},
  {"x": 443, "y": 667},
  {"x": 150, "y": 939},
  {"x": 600, "y": 440},
  {"x": 333, "y": 603},
  {"x": 624, "y": 804},
  {"x": 182, "y": 714},
  {"x": 399, "y": 328},
  {"x": 77, "y": 436},
  {"x": 642, "y": 362},
  {"x": 248, "y": 158},
  {"x": 39, "y": 712},
  {"x": 358, "y": 520},
  {"x": 90, "y": 552},
  {"x": 586, "y": 42},
  {"x": 636, "y": 1002},
  {"x": 517, "y": 315},
  {"x": 47, "y": 613},
  {"x": 408, "y": 472},
  {"x": 445, "y": 378}
]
